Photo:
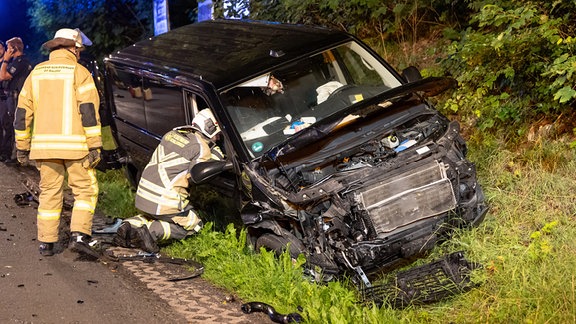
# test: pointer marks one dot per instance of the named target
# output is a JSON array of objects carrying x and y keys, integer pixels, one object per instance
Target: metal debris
[
  {"x": 23, "y": 199},
  {"x": 276, "y": 317}
]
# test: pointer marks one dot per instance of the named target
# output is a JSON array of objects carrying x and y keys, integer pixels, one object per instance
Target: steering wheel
[{"x": 340, "y": 90}]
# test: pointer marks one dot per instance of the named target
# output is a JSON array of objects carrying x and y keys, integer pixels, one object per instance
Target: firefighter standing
[
  {"x": 57, "y": 125},
  {"x": 162, "y": 193}
]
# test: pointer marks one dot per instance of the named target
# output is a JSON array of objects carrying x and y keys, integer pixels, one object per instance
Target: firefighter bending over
[{"x": 162, "y": 195}]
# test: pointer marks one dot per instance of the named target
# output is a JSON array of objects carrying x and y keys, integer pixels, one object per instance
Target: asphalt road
[{"x": 66, "y": 288}]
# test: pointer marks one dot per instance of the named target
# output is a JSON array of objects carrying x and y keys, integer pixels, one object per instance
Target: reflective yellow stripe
[
  {"x": 175, "y": 162},
  {"x": 93, "y": 185},
  {"x": 22, "y": 134},
  {"x": 86, "y": 88},
  {"x": 166, "y": 228},
  {"x": 158, "y": 190},
  {"x": 92, "y": 131},
  {"x": 60, "y": 146},
  {"x": 192, "y": 220},
  {"x": 157, "y": 199},
  {"x": 49, "y": 214},
  {"x": 84, "y": 205},
  {"x": 59, "y": 138},
  {"x": 68, "y": 106}
]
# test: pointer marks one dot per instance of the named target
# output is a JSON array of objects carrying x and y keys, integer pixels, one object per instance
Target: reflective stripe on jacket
[
  {"x": 57, "y": 115},
  {"x": 163, "y": 186}
]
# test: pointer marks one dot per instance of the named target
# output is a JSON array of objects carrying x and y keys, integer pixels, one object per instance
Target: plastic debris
[
  {"x": 271, "y": 312},
  {"x": 425, "y": 284}
]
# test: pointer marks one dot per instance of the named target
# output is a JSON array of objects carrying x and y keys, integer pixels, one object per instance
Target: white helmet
[
  {"x": 205, "y": 122},
  {"x": 67, "y": 37}
]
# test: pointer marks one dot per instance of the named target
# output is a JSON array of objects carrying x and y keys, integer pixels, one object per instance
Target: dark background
[{"x": 14, "y": 22}]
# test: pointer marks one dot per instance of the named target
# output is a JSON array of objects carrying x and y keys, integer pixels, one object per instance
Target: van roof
[{"x": 227, "y": 52}]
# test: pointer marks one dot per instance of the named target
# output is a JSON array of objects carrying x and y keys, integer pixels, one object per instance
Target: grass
[
  {"x": 526, "y": 246},
  {"x": 116, "y": 197}
]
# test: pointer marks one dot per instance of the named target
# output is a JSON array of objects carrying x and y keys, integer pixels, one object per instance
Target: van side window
[
  {"x": 195, "y": 103},
  {"x": 127, "y": 91},
  {"x": 164, "y": 106}
]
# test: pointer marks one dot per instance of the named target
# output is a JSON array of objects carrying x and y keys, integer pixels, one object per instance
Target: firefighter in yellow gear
[
  {"x": 57, "y": 125},
  {"x": 162, "y": 193}
]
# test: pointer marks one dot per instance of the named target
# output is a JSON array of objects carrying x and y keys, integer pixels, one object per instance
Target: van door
[{"x": 218, "y": 198}]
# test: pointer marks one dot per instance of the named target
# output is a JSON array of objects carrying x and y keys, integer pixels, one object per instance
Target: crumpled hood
[{"x": 427, "y": 87}]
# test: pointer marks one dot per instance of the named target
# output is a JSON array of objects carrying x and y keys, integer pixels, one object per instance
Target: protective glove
[
  {"x": 93, "y": 158},
  {"x": 23, "y": 157}
]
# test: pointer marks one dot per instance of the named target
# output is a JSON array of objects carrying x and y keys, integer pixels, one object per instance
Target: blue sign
[
  {"x": 161, "y": 21},
  {"x": 205, "y": 10}
]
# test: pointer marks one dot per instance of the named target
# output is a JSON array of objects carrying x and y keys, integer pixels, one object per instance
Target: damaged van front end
[{"x": 377, "y": 183}]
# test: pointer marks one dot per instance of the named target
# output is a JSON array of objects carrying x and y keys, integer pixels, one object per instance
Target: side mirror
[
  {"x": 411, "y": 74},
  {"x": 205, "y": 171}
]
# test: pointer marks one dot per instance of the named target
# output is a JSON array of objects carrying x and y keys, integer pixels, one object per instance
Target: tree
[{"x": 110, "y": 24}]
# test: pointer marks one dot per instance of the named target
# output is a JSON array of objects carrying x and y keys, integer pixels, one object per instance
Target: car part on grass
[
  {"x": 276, "y": 317},
  {"x": 124, "y": 254},
  {"x": 425, "y": 284}
]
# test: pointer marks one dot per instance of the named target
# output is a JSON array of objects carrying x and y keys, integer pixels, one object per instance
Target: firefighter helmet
[{"x": 205, "y": 122}]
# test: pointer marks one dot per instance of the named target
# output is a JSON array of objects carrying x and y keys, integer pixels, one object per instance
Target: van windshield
[{"x": 268, "y": 109}]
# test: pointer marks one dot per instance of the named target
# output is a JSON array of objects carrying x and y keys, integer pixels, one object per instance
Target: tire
[{"x": 278, "y": 244}]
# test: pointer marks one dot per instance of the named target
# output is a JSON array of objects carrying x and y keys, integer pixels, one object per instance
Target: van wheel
[{"x": 278, "y": 244}]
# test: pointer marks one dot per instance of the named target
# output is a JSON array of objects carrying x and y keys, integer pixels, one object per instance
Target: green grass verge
[
  {"x": 116, "y": 197},
  {"x": 526, "y": 246}
]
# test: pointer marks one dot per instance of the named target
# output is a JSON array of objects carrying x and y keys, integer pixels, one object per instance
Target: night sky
[
  {"x": 13, "y": 20},
  {"x": 14, "y": 23}
]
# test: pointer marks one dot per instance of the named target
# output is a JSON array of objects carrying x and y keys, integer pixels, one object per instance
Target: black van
[{"x": 329, "y": 150}]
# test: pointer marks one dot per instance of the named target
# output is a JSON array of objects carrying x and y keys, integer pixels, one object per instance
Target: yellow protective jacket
[
  {"x": 163, "y": 186},
  {"x": 57, "y": 114}
]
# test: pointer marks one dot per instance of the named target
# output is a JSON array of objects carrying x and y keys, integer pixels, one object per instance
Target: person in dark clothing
[
  {"x": 14, "y": 70},
  {"x": 3, "y": 98}
]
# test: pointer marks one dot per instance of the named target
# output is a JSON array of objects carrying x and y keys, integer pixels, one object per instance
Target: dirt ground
[{"x": 66, "y": 288}]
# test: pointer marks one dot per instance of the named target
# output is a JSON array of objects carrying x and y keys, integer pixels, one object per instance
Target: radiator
[{"x": 400, "y": 200}]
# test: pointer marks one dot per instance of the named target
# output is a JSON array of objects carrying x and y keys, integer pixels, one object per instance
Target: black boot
[
  {"x": 122, "y": 237},
  {"x": 144, "y": 240},
  {"x": 83, "y": 244},
  {"x": 46, "y": 249},
  {"x": 129, "y": 236}
]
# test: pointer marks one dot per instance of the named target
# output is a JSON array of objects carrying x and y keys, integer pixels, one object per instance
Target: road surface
[{"x": 66, "y": 288}]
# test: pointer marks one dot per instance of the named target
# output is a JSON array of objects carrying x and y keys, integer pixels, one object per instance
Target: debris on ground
[
  {"x": 23, "y": 199},
  {"x": 276, "y": 317},
  {"x": 425, "y": 284},
  {"x": 119, "y": 254}
]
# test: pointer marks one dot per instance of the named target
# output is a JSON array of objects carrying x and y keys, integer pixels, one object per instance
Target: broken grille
[{"x": 396, "y": 201}]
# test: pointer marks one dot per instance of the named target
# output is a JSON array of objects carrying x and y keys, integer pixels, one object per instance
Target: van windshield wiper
[{"x": 427, "y": 87}]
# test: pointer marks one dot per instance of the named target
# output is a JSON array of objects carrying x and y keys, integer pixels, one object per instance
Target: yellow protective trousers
[
  {"x": 166, "y": 228},
  {"x": 84, "y": 187}
]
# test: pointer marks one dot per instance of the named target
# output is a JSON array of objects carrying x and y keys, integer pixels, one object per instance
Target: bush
[{"x": 513, "y": 65}]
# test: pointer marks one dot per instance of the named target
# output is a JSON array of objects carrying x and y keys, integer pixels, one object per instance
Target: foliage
[
  {"x": 513, "y": 65},
  {"x": 110, "y": 24},
  {"x": 375, "y": 21},
  {"x": 182, "y": 12},
  {"x": 116, "y": 198}
]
